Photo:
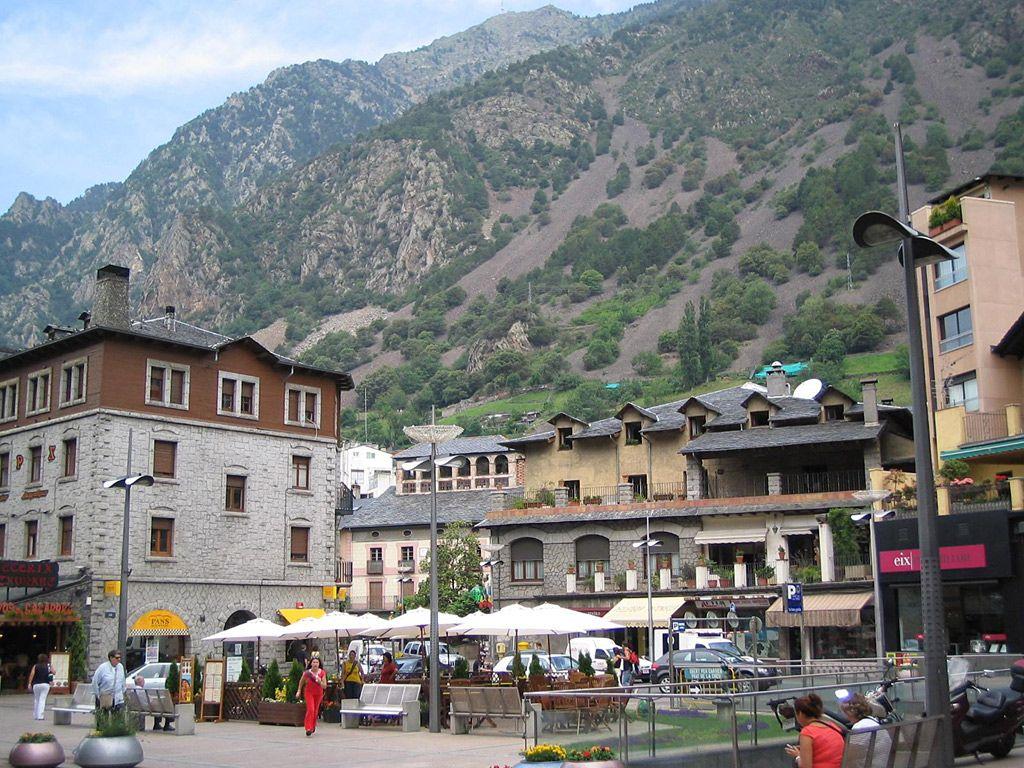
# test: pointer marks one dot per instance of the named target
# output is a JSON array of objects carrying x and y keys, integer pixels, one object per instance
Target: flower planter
[
  {"x": 550, "y": 764},
  {"x": 593, "y": 764},
  {"x": 37, "y": 755},
  {"x": 108, "y": 752},
  {"x": 762, "y": 581},
  {"x": 281, "y": 713},
  {"x": 933, "y": 231}
]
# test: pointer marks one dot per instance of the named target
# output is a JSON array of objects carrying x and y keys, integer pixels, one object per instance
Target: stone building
[{"x": 241, "y": 442}]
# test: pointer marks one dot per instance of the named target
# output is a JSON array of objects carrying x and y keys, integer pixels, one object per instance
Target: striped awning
[
  {"x": 159, "y": 624},
  {"x": 291, "y": 615},
  {"x": 632, "y": 611},
  {"x": 731, "y": 536},
  {"x": 836, "y": 609}
]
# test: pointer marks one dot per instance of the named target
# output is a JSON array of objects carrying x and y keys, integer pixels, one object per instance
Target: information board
[
  {"x": 212, "y": 707},
  {"x": 60, "y": 663},
  {"x": 234, "y": 669}
]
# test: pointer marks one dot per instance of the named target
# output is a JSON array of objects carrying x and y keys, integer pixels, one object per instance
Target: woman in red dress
[{"x": 314, "y": 682}]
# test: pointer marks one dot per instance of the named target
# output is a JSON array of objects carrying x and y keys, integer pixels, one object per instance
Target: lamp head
[
  {"x": 927, "y": 251},
  {"x": 877, "y": 228}
]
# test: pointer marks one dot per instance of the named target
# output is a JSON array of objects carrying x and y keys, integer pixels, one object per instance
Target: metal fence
[
  {"x": 824, "y": 482},
  {"x": 980, "y": 497}
]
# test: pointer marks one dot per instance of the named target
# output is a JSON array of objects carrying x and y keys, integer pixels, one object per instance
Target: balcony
[
  {"x": 458, "y": 483},
  {"x": 374, "y": 567},
  {"x": 406, "y": 566},
  {"x": 980, "y": 427},
  {"x": 823, "y": 482},
  {"x": 343, "y": 571},
  {"x": 979, "y": 497}
]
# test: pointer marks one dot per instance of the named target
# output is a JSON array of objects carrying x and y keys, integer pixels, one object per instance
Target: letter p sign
[{"x": 794, "y": 598}]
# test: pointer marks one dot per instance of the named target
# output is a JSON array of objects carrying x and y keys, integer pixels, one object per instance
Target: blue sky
[{"x": 89, "y": 87}]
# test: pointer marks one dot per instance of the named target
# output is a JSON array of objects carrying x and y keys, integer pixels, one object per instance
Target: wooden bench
[
  {"x": 156, "y": 702},
  {"x": 83, "y": 702},
  {"x": 384, "y": 700},
  {"x": 488, "y": 702}
]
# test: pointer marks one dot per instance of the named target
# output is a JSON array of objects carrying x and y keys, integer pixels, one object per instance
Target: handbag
[{"x": 106, "y": 700}]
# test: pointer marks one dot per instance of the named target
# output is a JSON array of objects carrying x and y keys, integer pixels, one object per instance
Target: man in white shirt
[{"x": 109, "y": 682}]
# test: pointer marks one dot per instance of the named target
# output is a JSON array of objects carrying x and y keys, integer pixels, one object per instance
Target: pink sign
[{"x": 967, "y": 556}]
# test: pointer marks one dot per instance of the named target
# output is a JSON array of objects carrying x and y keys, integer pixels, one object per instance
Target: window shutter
[
  {"x": 164, "y": 455},
  {"x": 178, "y": 387},
  {"x": 300, "y": 545},
  {"x": 527, "y": 549}
]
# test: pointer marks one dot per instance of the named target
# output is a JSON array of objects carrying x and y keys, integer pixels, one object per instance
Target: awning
[
  {"x": 632, "y": 611},
  {"x": 291, "y": 615},
  {"x": 159, "y": 624},
  {"x": 838, "y": 609},
  {"x": 727, "y": 536}
]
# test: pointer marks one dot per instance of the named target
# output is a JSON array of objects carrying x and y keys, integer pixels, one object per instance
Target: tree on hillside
[{"x": 458, "y": 571}]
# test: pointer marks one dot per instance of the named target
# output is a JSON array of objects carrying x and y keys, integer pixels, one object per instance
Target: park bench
[
  {"x": 384, "y": 700},
  {"x": 83, "y": 702},
  {"x": 470, "y": 703},
  {"x": 156, "y": 702}
]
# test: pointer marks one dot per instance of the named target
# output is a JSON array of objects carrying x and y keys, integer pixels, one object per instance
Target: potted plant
[
  {"x": 597, "y": 755},
  {"x": 782, "y": 552},
  {"x": 544, "y": 756},
  {"x": 688, "y": 575},
  {"x": 945, "y": 216},
  {"x": 586, "y": 664},
  {"x": 279, "y": 705},
  {"x": 77, "y": 645},
  {"x": 331, "y": 713},
  {"x": 173, "y": 681},
  {"x": 592, "y": 499},
  {"x": 113, "y": 744},
  {"x": 764, "y": 574},
  {"x": 36, "y": 749}
]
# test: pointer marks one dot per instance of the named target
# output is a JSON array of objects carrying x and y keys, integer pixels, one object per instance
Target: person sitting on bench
[{"x": 140, "y": 682}]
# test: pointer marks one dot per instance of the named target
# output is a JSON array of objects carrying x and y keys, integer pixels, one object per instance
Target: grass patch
[{"x": 871, "y": 362}]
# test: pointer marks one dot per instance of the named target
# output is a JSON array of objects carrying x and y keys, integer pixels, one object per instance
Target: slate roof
[
  {"x": 460, "y": 446},
  {"x": 391, "y": 510},
  {"x": 536, "y": 437},
  {"x": 794, "y": 410},
  {"x": 668, "y": 417},
  {"x": 602, "y": 428},
  {"x": 1012, "y": 342},
  {"x": 781, "y": 437},
  {"x": 179, "y": 331}
]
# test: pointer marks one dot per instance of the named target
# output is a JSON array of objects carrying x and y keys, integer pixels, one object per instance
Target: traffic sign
[{"x": 794, "y": 598}]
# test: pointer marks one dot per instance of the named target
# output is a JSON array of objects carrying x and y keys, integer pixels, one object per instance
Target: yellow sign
[
  {"x": 158, "y": 623},
  {"x": 291, "y": 615},
  {"x": 330, "y": 593},
  {"x": 112, "y": 588}
]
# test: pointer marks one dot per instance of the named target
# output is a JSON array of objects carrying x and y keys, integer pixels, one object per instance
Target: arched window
[
  {"x": 501, "y": 465},
  {"x": 483, "y": 466},
  {"x": 464, "y": 468},
  {"x": 669, "y": 547},
  {"x": 527, "y": 560},
  {"x": 591, "y": 550},
  {"x": 248, "y": 649}
]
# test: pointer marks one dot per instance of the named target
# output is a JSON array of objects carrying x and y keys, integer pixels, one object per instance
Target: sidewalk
[{"x": 248, "y": 745}]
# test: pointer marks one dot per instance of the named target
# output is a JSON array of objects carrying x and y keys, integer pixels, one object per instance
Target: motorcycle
[
  {"x": 990, "y": 722},
  {"x": 882, "y": 699}
]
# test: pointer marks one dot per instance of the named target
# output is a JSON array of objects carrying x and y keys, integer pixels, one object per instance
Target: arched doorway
[{"x": 246, "y": 650}]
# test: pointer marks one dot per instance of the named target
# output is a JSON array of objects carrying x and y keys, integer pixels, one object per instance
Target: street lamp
[
  {"x": 127, "y": 483},
  {"x": 434, "y": 434},
  {"x": 872, "y": 229},
  {"x": 647, "y": 543}
]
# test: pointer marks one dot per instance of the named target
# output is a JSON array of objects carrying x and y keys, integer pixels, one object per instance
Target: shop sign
[
  {"x": 37, "y": 613},
  {"x": 961, "y": 558},
  {"x": 31, "y": 574}
]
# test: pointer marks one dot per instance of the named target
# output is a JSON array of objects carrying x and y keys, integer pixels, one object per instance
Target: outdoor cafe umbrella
[
  {"x": 253, "y": 630},
  {"x": 412, "y": 623},
  {"x": 574, "y": 622},
  {"x": 333, "y": 624}
]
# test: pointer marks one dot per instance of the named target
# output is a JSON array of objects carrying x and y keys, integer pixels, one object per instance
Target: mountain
[{"x": 669, "y": 200}]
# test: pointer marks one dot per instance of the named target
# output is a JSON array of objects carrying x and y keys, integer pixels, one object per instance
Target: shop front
[
  {"x": 983, "y": 592},
  {"x": 26, "y": 630},
  {"x": 156, "y": 636},
  {"x": 833, "y": 625}
]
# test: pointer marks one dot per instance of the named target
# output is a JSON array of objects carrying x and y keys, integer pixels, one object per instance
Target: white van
[{"x": 602, "y": 650}]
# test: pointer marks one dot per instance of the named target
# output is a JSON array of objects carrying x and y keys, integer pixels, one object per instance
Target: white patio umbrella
[
  {"x": 412, "y": 623},
  {"x": 575, "y": 622},
  {"x": 254, "y": 630},
  {"x": 333, "y": 624}
]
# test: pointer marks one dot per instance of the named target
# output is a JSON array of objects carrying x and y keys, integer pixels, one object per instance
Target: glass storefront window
[{"x": 972, "y": 610}]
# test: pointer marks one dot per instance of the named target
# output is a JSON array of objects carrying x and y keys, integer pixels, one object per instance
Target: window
[
  {"x": 5, "y": 469},
  {"x": 759, "y": 418},
  {"x": 165, "y": 458},
  {"x": 161, "y": 537},
  {"x": 963, "y": 390},
  {"x": 35, "y": 464},
  {"x": 592, "y": 552},
  {"x": 3, "y": 539},
  {"x": 300, "y": 544},
  {"x": 527, "y": 560},
  {"x": 483, "y": 465},
  {"x": 573, "y": 487},
  {"x": 239, "y": 395},
  {"x": 168, "y": 384},
  {"x": 70, "y": 457},
  {"x": 302, "y": 406},
  {"x": 633, "y": 432},
  {"x": 72, "y": 382},
  {"x": 955, "y": 330},
  {"x": 697, "y": 425},
  {"x": 9, "y": 400},
  {"x": 565, "y": 438},
  {"x": 501, "y": 465},
  {"x": 377, "y": 554},
  {"x": 949, "y": 273},
  {"x": 67, "y": 537},
  {"x": 37, "y": 397},
  {"x": 834, "y": 412},
  {"x": 639, "y": 483},
  {"x": 234, "y": 496},
  {"x": 31, "y": 538},
  {"x": 407, "y": 554},
  {"x": 300, "y": 472}
]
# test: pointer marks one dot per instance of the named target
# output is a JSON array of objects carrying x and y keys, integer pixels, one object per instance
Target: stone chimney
[
  {"x": 110, "y": 302},
  {"x": 869, "y": 394},
  {"x": 85, "y": 318},
  {"x": 170, "y": 316},
  {"x": 776, "y": 381}
]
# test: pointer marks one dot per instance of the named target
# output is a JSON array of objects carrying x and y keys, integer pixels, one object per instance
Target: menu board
[
  {"x": 234, "y": 669},
  {"x": 213, "y": 689},
  {"x": 60, "y": 663}
]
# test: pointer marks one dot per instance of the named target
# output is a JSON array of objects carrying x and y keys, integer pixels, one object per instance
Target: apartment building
[
  {"x": 366, "y": 469},
  {"x": 241, "y": 443}
]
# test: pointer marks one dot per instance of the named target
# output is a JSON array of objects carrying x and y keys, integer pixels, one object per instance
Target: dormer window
[
  {"x": 759, "y": 418},
  {"x": 565, "y": 438},
  {"x": 697, "y": 425},
  {"x": 633, "y": 432},
  {"x": 834, "y": 412}
]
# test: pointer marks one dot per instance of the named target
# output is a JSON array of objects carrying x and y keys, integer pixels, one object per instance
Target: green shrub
[
  {"x": 271, "y": 681},
  {"x": 517, "y": 670},
  {"x": 586, "y": 664},
  {"x": 944, "y": 212},
  {"x": 461, "y": 669},
  {"x": 111, "y": 723},
  {"x": 291, "y": 686},
  {"x": 77, "y": 650},
  {"x": 173, "y": 681},
  {"x": 954, "y": 469},
  {"x": 535, "y": 667},
  {"x": 245, "y": 675}
]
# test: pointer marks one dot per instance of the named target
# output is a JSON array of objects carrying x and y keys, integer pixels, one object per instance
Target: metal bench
[
  {"x": 488, "y": 702},
  {"x": 384, "y": 700},
  {"x": 156, "y": 702},
  {"x": 83, "y": 702}
]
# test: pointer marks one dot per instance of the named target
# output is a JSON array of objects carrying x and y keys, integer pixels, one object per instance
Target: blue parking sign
[{"x": 794, "y": 598}]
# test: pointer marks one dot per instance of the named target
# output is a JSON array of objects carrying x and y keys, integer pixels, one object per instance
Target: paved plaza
[{"x": 248, "y": 745}]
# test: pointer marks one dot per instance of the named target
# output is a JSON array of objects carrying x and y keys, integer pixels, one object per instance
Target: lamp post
[
  {"x": 872, "y": 229},
  {"x": 646, "y": 544},
  {"x": 433, "y": 434},
  {"x": 126, "y": 483}
]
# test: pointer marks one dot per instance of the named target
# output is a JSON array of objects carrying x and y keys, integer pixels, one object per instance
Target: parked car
[
  {"x": 409, "y": 667},
  {"x": 603, "y": 651},
  {"x": 155, "y": 674},
  {"x": 557, "y": 664},
  {"x": 446, "y": 656},
  {"x": 700, "y": 665}
]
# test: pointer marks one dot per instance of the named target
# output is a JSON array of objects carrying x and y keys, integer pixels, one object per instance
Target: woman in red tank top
[{"x": 821, "y": 743}]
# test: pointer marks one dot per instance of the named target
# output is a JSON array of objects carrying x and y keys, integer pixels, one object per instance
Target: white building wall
[{"x": 367, "y": 466}]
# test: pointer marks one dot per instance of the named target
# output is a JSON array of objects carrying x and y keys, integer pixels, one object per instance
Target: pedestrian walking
[
  {"x": 388, "y": 669},
  {"x": 352, "y": 676},
  {"x": 39, "y": 680},
  {"x": 628, "y": 663},
  {"x": 311, "y": 688},
  {"x": 109, "y": 683}
]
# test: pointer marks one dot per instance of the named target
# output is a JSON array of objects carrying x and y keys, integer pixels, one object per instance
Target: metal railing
[
  {"x": 667, "y": 491},
  {"x": 733, "y": 486},
  {"x": 343, "y": 572},
  {"x": 824, "y": 482},
  {"x": 374, "y": 567},
  {"x": 979, "y": 427},
  {"x": 980, "y": 497},
  {"x": 599, "y": 494},
  {"x": 853, "y": 568}
]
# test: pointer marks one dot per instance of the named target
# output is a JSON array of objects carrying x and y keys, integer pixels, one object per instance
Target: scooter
[
  {"x": 881, "y": 698},
  {"x": 991, "y": 722}
]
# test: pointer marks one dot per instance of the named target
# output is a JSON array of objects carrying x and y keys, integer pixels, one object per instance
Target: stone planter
[
  {"x": 933, "y": 231},
  {"x": 593, "y": 764},
  {"x": 108, "y": 752},
  {"x": 549, "y": 764},
  {"x": 281, "y": 713},
  {"x": 43, "y": 753}
]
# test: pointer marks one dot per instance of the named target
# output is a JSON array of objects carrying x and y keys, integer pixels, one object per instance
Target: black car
[
  {"x": 706, "y": 665},
  {"x": 409, "y": 667}
]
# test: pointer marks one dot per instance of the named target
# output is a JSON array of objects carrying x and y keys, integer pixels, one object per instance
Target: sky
[{"x": 89, "y": 87}]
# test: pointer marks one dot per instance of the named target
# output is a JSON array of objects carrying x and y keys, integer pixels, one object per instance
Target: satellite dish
[
  {"x": 712, "y": 619},
  {"x": 734, "y": 620},
  {"x": 690, "y": 618},
  {"x": 809, "y": 389}
]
